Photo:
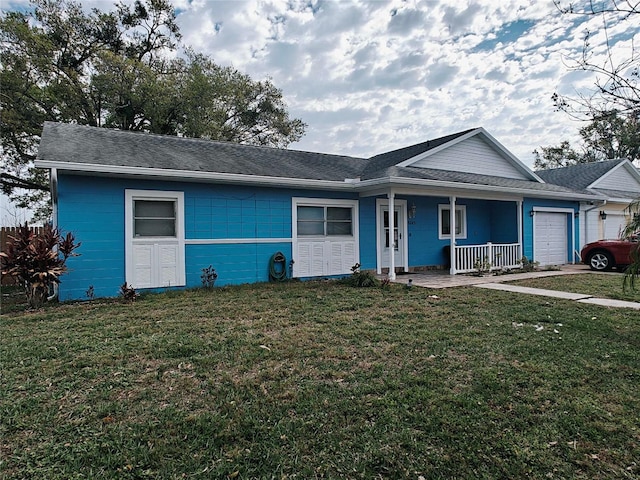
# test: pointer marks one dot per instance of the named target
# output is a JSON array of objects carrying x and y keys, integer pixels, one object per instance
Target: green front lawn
[
  {"x": 595, "y": 284},
  {"x": 321, "y": 380}
]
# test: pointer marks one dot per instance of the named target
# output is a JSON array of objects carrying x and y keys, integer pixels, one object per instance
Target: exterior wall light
[
  {"x": 603, "y": 215},
  {"x": 412, "y": 210}
]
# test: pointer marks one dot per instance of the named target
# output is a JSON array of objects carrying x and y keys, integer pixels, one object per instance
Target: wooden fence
[{"x": 5, "y": 233}]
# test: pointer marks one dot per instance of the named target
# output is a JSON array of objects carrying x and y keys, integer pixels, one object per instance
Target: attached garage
[{"x": 550, "y": 231}]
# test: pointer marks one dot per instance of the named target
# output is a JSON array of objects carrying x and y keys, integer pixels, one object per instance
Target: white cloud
[{"x": 368, "y": 76}]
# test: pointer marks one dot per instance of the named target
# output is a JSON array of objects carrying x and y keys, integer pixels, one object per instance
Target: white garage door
[
  {"x": 550, "y": 233},
  {"x": 614, "y": 225}
]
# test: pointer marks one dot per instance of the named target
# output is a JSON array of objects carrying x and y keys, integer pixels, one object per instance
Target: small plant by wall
[
  {"x": 482, "y": 266},
  {"x": 208, "y": 277},
  {"x": 359, "y": 278},
  {"x": 128, "y": 293},
  {"x": 528, "y": 265}
]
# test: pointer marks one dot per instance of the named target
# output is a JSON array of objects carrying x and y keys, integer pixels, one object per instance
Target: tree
[
  {"x": 49, "y": 56},
  {"x": 220, "y": 103},
  {"x": 605, "y": 138},
  {"x": 62, "y": 64},
  {"x": 616, "y": 73},
  {"x": 613, "y": 135},
  {"x": 562, "y": 155}
]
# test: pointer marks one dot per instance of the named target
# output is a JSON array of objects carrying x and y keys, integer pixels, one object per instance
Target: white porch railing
[{"x": 491, "y": 256}]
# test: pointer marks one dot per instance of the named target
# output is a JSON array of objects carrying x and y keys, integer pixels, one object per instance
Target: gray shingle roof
[
  {"x": 384, "y": 160},
  {"x": 578, "y": 176},
  {"x": 72, "y": 143},
  {"x": 77, "y": 144}
]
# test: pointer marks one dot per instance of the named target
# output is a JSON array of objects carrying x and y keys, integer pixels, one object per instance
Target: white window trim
[
  {"x": 328, "y": 239},
  {"x": 463, "y": 230},
  {"x": 130, "y": 240},
  {"x": 324, "y": 202}
]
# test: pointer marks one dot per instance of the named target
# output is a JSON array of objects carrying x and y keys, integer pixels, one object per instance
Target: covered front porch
[{"x": 457, "y": 234}]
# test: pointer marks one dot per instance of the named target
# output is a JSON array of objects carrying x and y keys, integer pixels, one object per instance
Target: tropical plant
[
  {"x": 36, "y": 259},
  {"x": 632, "y": 273}
]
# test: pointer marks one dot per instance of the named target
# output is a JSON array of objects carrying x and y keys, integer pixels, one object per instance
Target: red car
[{"x": 606, "y": 254}]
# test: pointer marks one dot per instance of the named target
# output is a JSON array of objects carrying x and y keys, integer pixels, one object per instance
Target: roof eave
[
  {"x": 169, "y": 174},
  {"x": 472, "y": 187}
]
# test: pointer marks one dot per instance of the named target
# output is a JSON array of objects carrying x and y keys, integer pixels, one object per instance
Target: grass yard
[
  {"x": 321, "y": 380},
  {"x": 601, "y": 285}
]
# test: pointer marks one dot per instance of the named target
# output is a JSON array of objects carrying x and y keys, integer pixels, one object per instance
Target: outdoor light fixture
[
  {"x": 412, "y": 210},
  {"x": 532, "y": 213},
  {"x": 576, "y": 214},
  {"x": 603, "y": 215}
]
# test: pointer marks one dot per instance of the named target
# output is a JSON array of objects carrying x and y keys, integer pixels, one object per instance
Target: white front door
[{"x": 399, "y": 234}]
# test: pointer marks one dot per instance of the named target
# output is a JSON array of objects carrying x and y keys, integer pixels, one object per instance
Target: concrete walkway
[
  {"x": 579, "y": 297},
  {"x": 441, "y": 279}
]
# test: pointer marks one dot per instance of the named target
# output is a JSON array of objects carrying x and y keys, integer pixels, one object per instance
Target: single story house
[
  {"x": 615, "y": 182},
  {"x": 155, "y": 210}
]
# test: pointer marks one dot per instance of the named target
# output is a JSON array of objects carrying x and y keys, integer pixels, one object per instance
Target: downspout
[
  {"x": 392, "y": 239},
  {"x": 53, "y": 185},
  {"x": 452, "y": 244}
]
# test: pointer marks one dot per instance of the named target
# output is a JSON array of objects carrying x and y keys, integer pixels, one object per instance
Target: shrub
[
  {"x": 37, "y": 260},
  {"x": 528, "y": 265},
  {"x": 362, "y": 279},
  {"x": 208, "y": 277},
  {"x": 128, "y": 292}
]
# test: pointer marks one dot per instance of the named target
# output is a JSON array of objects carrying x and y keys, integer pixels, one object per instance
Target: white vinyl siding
[
  {"x": 472, "y": 155},
  {"x": 154, "y": 244},
  {"x": 619, "y": 179},
  {"x": 325, "y": 235}
]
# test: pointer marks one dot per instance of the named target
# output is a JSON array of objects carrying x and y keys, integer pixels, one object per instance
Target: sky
[{"x": 372, "y": 76}]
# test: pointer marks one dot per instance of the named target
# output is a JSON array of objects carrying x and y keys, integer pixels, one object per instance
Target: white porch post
[
  {"x": 452, "y": 224},
  {"x": 392, "y": 240},
  {"x": 520, "y": 238},
  {"x": 572, "y": 219}
]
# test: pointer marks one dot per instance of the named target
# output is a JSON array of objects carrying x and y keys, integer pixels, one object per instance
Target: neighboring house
[
  {"x": 155, "y": 210},
  {"x": 615, "y": 182}
]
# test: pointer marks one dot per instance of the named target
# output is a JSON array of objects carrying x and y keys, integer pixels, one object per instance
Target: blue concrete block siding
[{"x": 93, "y": 208}]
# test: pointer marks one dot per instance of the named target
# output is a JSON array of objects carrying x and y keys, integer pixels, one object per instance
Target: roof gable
[
  {"x": 472, "y": 151},
  {"x": 614, "y": 178},
  {"x": 622, "y": 177}
]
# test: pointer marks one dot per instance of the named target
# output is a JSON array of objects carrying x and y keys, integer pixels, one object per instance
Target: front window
[
  {"x": 325, "y": 221},
  {"x": 154, "y": 218},
  {"x": 444, "y": 221}
]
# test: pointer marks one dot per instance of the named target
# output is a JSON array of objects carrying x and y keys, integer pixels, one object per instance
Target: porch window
[{"x": 444, "y": 221}]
